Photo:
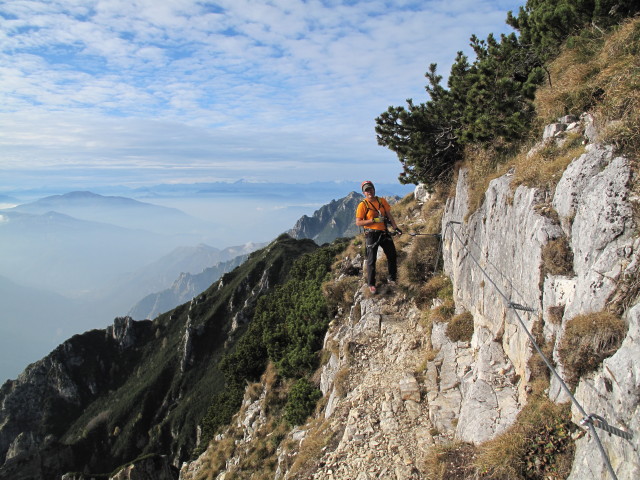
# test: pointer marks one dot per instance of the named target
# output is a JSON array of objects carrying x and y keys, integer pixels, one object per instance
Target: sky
[{"x": 143, "y": 92}]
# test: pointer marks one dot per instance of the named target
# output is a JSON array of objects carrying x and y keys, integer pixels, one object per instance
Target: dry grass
[
  {"x": 587, "y": 340},
  {"x": 539, "y": 374},
  {"x": 405, "y": 209},
  {"x": 452, "y": 461},
  {"x": 460, "y": 327},
  {"x": 626, "y": 293},
  {"x": 433, "y": 210},
  {"x": 443, "y": 313},
  {"x": 484, "y": 164},
  {"x": 215, "y": 457},
  {"x": 543, "y": 168},
  {"x": 419, "y": 265},
  {"x": 339, "y": 293},
  {"x": 557, "y": 258},
  {"x": 547, "y": 210},
  {"x": 439, "y": 286},
  {"x": 555, "y": 314},
  {"x": 600, "y": 75},
  {"x": 341, "y": 382},
  {"x": 429, "y": 352},
  {"x": 429, "y": 356},
  {"x": 343, "y": 260},
  {"x": 537, "y": 446},
  {"x": 319, "y": 437}
]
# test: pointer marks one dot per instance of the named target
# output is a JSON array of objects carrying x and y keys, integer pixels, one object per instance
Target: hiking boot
[
  {"x": 392, "y": 283},
  {"x": 372, "y": 289}
]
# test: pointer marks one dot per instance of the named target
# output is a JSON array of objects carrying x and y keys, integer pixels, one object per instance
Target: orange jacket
[{"x": 367, "y": 210}]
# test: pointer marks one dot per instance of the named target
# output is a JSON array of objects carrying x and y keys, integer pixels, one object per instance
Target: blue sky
[{"x": 138, "y": 92}]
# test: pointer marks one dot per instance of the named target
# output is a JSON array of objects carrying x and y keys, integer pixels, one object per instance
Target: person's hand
[{"x": 398, "y": 231}]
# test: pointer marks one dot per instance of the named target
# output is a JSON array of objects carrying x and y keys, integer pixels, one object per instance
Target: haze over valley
[{"x": 74, "y": 261}]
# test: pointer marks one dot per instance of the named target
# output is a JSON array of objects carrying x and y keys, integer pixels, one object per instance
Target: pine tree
[{"x": 491, "y": 100}]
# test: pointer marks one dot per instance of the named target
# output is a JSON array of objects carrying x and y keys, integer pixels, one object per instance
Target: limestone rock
[
  {"x": 613, "y": 392},
  {"x": 421, "y": 193},
  {"x": 409, "y": 389},
  {"x": 503, "y": 240}
]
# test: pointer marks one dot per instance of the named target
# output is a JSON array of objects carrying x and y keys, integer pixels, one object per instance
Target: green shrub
[{"x": 302, "y": 400}]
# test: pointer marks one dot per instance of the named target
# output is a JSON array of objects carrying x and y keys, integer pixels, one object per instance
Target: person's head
[{"x": 367, "y": 187}]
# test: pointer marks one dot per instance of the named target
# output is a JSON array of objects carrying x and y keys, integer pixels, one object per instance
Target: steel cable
[{"x": 590, "y": 420}]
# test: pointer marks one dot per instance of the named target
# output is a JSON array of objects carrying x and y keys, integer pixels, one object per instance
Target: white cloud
[{"x": 267, "y": 84}]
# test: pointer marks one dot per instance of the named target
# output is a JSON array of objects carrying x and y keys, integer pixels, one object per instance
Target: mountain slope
[
  {"x": 185, "y": 287},
  {"x": 107, "y": 396}
]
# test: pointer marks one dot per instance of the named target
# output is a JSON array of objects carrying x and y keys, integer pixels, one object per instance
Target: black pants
[{"x": 375, "y": 239}]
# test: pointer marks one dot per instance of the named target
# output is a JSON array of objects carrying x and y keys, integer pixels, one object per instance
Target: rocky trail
[{"x": 375, "y": 398}]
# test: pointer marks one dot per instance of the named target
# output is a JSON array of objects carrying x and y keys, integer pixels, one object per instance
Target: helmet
[{"x": 367, "y": 183}]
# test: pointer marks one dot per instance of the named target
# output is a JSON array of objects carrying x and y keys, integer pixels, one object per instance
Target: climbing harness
[
  {"x": 382, "y": 234},
  {"x": 590, "y": 420}
]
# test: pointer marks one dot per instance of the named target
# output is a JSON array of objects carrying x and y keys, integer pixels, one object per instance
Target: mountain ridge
[{"x": 116, "y": 210}]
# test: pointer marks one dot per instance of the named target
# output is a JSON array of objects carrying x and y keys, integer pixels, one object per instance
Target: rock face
[{"x": 495, "y": 258}]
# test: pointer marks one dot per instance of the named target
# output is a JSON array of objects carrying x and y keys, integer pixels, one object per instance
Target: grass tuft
[
  {"x": 587, "y": 340},
  {"x": 557, "y": 258},
  {"x": 537, "y": 446},
  {"x": 602, "y": 76},
  {"x": 460, "y": 327},
  {"x": 450, "y": 461}
]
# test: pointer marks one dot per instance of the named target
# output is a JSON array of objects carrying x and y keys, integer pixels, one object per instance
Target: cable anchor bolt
[
  {"x": 517, "y": 306},
  {"x": 599, "y": 422}
]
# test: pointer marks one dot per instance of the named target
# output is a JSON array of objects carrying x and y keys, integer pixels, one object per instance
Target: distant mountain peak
[
  {"x": 80, "y": 194},
  {"x": 333, "y": 220}
]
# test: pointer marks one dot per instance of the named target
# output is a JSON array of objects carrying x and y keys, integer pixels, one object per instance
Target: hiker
[{"x": 374, "y": 215}]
